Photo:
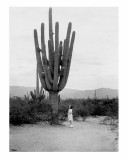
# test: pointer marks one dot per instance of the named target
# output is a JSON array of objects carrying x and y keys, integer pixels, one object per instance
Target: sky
[{"x": 95, "y": 54}]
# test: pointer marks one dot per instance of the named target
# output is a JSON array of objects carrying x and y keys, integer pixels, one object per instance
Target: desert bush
[
  {"x": 18, "y": 111},
  {"x": 111, "y": 107},
  {"x": 90, "y": 107},
  {"x": 30, "y": 112},
  {"x": 82, "y": 112},
  {"x": 24, "y": 111}
]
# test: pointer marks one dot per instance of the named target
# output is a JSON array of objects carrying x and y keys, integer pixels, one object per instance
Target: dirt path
[{"x": 88, "y": 136}]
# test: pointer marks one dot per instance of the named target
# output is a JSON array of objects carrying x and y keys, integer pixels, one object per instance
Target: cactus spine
[{"x": 54, "y": 71}]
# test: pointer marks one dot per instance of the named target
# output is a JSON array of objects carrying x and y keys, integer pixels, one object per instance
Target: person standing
[{"x": 70, "y": 116}]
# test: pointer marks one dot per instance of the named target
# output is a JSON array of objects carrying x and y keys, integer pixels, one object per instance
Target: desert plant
[
  {"x": 37, "y": 95},
  {"x": 22, "y": 112},
  {"x": 54, "y": 71}
]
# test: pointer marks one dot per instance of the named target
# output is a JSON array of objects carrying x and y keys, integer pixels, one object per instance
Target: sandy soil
[{"x": 88, "y": 136}]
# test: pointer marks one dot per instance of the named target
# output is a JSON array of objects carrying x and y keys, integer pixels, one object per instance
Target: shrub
[
  {"x": 111, "y": 107},
  {"x": 82, "y": 112},
  {"x": 90, "y": 107},
  {"x": 18, "y": 111},
  {"x": 24, "y": 111}
]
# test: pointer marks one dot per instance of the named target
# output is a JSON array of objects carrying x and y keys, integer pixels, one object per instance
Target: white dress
[{"x": 70, "y": 117}]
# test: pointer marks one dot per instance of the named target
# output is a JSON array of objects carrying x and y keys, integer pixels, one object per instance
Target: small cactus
[{"x": 37, "y": 94}]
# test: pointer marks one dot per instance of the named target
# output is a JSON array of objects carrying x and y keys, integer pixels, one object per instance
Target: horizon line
[{"x": 67, "y": 88}]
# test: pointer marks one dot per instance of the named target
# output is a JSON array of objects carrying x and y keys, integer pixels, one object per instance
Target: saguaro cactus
[
  {"x": 54, "y": 70},
  {"x": 38, "y": 94}
]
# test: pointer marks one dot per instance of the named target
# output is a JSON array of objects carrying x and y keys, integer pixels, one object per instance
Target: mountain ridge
[{"x": 20, "y": 91}]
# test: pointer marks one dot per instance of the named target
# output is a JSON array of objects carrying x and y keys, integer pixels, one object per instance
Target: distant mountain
[
  {"x": 69, "y": 93},
  {"x": 100, "y": 93}
]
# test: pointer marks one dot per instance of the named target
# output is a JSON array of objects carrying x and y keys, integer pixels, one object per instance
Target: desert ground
[{"x": 86, "y": 136}]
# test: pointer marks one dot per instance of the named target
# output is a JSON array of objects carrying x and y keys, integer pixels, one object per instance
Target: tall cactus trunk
[{"x": 53, "y": 97}]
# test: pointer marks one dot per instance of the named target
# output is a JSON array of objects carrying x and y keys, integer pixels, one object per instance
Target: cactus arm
[
  {"x": 47, "y": 72},
  {"x": 55, "y": 85},
  {"x": 61, "y": 72},
  {"x": 39, "y": 60},
  {"x": 51, "y": 56},
  {"x": 46, "y": 68},
  {"x": 43, "y": 75},
  {"x": 65, "y": 57},
  {"x": 71, "y": 48},
  {"x": 41, "y": 90},
  {"x": 44, "y": 57},
  {"x": 50, "y": 28},
  {"x": 42, "y": 35},
  {"x": 65, "y": 74},
  {"x": 66, "y": 45},
  {"x": 49, "y": 75},
  {"x": 60, "y": 55},
  {"x": 51, "y": 53},
  {"x": 37, "y": 80},
  {"x": 46, "y": 78},
  {"x": 34, "y": 91},
  {"x": 32, "y": 95},
  {"x": 69, "y": 57},
  {"x": 43, "y": 44}
]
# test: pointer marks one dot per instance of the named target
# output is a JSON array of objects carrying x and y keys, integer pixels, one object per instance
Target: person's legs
[{"x": 71, "y": 123}]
